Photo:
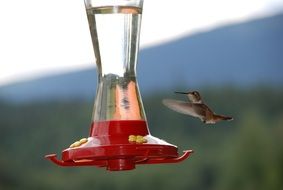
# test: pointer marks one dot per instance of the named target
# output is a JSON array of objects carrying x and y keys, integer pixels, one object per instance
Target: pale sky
[{"x": 38, "y": 37}]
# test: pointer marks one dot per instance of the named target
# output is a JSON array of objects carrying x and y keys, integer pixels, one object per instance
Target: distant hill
[{"x": 244, "y": 54}]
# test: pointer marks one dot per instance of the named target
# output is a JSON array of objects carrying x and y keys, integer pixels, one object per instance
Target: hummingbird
[{"x": 195, "y": 107}]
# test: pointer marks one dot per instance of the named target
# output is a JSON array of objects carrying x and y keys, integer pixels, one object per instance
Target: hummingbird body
[{"x": 195, "y": 107}]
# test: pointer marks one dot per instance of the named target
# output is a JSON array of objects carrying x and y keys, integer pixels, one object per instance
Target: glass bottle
[{"x": 115, "y": 30}]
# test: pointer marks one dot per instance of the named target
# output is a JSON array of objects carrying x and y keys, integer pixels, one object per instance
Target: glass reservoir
[
  {"x": 115, "y": 36},
  {"x": 119, "y": 136}
]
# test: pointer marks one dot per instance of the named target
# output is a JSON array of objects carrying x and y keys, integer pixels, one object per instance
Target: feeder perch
[{"x": 119, "y": 137}]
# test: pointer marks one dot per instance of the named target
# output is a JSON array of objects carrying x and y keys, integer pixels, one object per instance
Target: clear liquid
[{"x": 115, "y": 36}]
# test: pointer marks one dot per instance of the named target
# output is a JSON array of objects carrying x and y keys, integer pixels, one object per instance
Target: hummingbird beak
[{"x": 181, "y": 92}]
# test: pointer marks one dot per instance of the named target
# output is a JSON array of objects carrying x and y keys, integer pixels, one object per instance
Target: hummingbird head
[{"x": 193, "y": 96}]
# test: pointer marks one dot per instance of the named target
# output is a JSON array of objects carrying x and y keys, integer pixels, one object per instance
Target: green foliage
[{"x": 244, "y": 154}]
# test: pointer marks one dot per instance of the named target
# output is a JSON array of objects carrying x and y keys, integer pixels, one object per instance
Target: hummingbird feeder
[{"x": 119, "y": 136}]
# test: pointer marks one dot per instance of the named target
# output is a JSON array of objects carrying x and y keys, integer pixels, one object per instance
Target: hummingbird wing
[{"x": 185, "y": 107}]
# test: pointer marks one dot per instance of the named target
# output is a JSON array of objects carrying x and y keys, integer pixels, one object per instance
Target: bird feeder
[{"x": 119, "y": 136}]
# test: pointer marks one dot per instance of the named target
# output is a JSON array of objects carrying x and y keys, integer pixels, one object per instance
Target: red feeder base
[{"x": 109, "y": 147}]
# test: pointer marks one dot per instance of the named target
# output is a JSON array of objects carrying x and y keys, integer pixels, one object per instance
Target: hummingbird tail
[{"x": 223, "y": 117}]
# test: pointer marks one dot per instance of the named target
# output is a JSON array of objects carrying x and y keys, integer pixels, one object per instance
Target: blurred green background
[{"x": 245, "y": 154}]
